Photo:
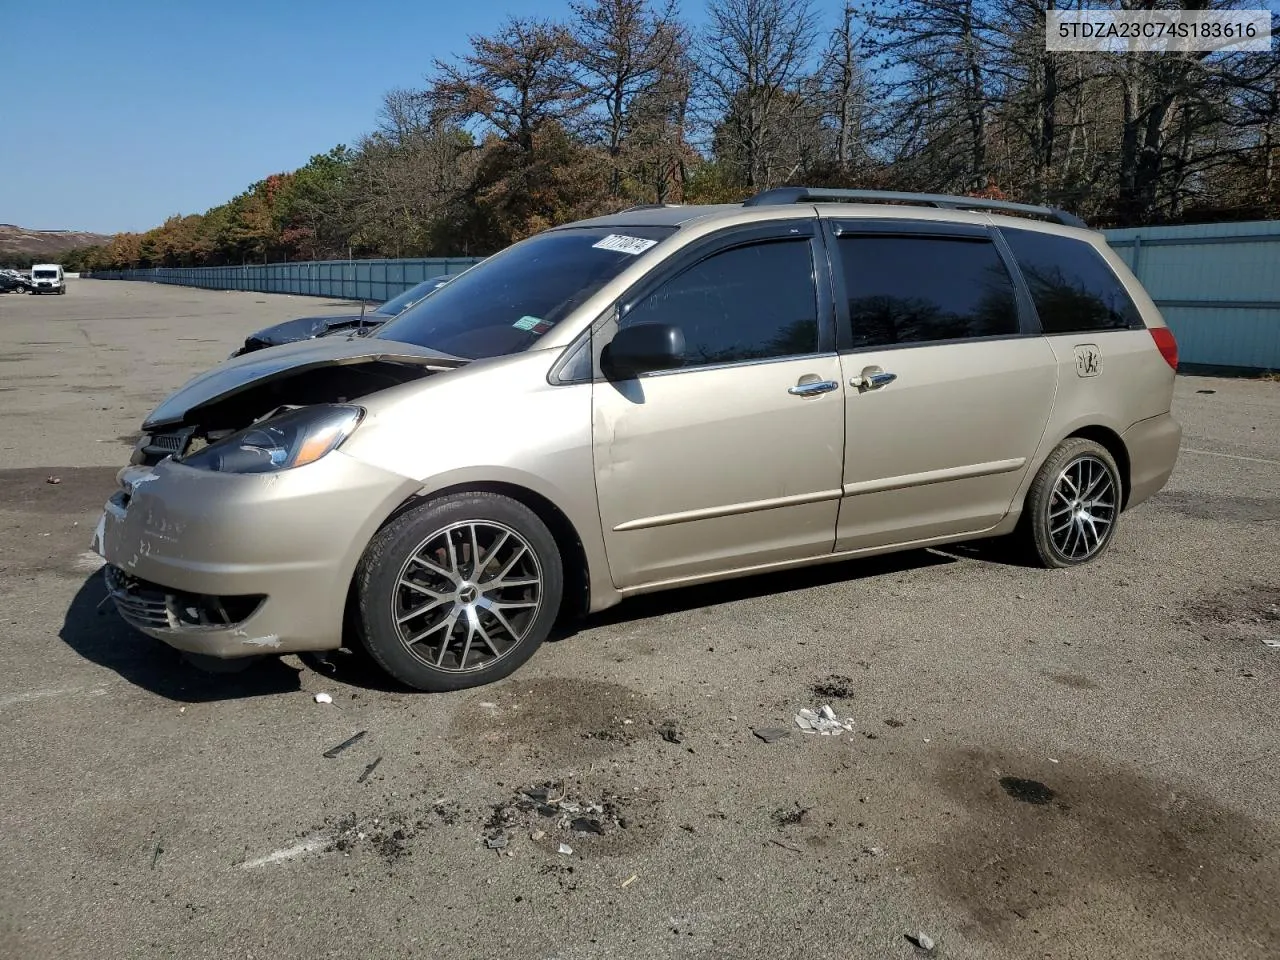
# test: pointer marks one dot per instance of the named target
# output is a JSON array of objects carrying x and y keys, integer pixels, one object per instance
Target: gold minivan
[{"x": 661, "y": 397}]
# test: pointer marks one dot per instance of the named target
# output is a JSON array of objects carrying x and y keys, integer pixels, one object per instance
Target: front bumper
[{"x": 231, "y": 565}]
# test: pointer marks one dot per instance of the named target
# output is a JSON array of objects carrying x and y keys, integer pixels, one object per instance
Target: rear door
[
  {"x": 949, "y": 383},
  {"x": 733, "y": 460}
]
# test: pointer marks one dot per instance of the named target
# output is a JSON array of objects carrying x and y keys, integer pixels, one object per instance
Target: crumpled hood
[{"x": 257, "y": 368}]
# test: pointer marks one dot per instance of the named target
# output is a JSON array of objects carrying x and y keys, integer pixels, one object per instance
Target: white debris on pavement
[
  {"x": 824, "y": 721},
  {"x": 13, "y": 699},
  {"x": 566, "y": 849},
  {"x": 309, "y": 845},
  {"x": 323, "y": 698}
]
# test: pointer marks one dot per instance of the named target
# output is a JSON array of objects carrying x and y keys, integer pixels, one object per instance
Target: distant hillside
[{"x": 21, "y": 244}]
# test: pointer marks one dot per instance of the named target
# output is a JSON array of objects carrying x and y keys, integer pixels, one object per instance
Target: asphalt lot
[{"x": 1075, "y": 764}]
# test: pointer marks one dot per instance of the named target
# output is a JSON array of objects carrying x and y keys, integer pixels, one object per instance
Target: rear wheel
[
  {"x": 459, "y": 592},
  {"x": 1073, "y": 505}
]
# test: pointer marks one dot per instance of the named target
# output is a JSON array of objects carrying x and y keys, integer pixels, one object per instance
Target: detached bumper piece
[{"x": 155, "y": 609}]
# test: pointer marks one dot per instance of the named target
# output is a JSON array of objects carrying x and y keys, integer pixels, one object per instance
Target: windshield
[
  {"x": 505, "y": 304},
  {"x": 397, "y": 305},
  {"x": 46, "y": 274}
]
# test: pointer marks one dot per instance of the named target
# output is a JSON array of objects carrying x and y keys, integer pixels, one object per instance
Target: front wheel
[
  {"x": 459, "y": 592},
  {"x": 1073, "y": 504}
]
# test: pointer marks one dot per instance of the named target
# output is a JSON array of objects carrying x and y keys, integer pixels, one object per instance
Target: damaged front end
[
  {"x": 248, "y": 390},
  {"x": 238, "y": 527}
]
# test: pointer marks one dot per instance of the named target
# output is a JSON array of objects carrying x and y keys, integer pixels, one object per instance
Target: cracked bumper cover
[{"x": 294, "y": 537}]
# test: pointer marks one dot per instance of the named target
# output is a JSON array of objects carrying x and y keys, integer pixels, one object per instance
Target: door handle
[
  {"x": 813, "y": 388},
  {"x": 873, "y": 378}
]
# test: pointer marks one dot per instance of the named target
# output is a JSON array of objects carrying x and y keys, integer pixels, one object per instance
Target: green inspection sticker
[{"x": 532, "y": 324}]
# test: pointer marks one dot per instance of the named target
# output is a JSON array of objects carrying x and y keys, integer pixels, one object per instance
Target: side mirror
[{"x": 643, "y": 348}]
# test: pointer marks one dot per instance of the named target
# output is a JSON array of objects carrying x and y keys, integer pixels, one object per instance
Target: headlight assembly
[{"x": 291, "y": 439}]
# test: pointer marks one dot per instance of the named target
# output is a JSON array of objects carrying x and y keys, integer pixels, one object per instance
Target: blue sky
[{"x": 138, "y": 109}]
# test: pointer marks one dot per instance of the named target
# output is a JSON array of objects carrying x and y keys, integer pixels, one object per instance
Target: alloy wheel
[
  {"x": 1082, "y": 508},
  {"x": 467, "y": 596}
]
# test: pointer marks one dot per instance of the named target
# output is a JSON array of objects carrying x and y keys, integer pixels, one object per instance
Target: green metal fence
[
  {"x": 1218, "y": 285},
  {"x": 376, "y": 280}
]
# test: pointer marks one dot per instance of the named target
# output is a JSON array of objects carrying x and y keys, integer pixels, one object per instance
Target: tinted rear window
[
  {"x": 46, "y": 274},
  {"x": 1072, "y": 285},
  {"x": 507, "y": 303},
  {"x": 913, "y": 289}
]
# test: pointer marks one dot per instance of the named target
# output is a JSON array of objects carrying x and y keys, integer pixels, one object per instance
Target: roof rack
[{"x": 786, "y": 195}]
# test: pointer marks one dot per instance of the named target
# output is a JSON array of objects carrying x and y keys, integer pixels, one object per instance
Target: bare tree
[
  {"x": 403, "y": 113},
  {"x": 941, "y": 106},
  {"x": 655, "y": 153},
  {"x": 403, "y": 188},
  {"x": 842, "y": 89},
  {"x": 624, "y": 50},
  {"x": 752, "y": 57},
  {"x": 511, "y": 82}
]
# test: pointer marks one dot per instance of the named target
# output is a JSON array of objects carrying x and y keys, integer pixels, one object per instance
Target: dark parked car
[
  {"x": 308, "y": 328},
  {"x": 11, "y": 282}
]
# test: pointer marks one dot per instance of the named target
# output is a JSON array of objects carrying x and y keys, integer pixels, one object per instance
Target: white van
[{"x": 48, "y": 278}]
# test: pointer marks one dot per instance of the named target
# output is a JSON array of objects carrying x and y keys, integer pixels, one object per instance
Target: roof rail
[
  {"x": 651, "y": 206},
  {"x": 786, "y": 195}
]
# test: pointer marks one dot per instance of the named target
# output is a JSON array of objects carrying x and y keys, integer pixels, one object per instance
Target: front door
[
  {"x": 949, "y": 384},
  {"x": 733, "y": 460}
]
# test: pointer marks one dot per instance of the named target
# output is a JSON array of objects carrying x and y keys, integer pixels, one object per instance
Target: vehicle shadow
[
  {"x": 992, "y": 550},
  {"x": 93, "y": 629},
  {"x": 648, "y": 606}
]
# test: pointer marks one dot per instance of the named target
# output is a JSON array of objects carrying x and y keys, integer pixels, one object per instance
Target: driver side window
[{"x": 753, "y": 302}]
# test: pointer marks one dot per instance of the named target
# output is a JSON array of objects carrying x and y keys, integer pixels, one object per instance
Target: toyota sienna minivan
[{"x": 662, "y": 397}]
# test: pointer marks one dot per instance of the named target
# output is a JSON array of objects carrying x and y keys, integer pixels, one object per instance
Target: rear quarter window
[{"x": 1073, "y": 287}]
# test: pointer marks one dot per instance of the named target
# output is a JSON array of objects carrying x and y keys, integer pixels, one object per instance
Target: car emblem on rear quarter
[{"x": 1088, "y": 360}]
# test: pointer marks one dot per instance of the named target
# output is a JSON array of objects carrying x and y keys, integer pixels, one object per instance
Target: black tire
[
  {"x": 1042, "y": 534},
  {"x": 389, "y": 557}
]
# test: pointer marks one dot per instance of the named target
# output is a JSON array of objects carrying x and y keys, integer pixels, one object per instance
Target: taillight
[{"x": 1167, "y": 346}]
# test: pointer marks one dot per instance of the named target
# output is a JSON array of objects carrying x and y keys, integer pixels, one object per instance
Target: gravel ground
[{"x": 1074, "y": 764}]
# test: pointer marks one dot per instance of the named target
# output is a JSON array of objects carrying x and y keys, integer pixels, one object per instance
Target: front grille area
[
  {"x": 155, "y": 447},
  {"x": 139, "y": 603},
  {"x": 173, "y": 442},
  {"x": 149, "y": 606}
]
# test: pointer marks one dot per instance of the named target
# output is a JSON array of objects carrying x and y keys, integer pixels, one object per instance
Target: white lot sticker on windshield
[{"x": 623, "y": 244}]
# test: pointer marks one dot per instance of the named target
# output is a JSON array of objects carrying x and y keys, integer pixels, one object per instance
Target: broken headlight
[{"x": 291, "y": 439}]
